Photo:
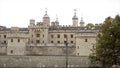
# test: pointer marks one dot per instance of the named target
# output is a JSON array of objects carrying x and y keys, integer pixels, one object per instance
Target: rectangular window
[
  {"x": 37, "y": 35},
  {"x": 51, "y": 41},
  {"x": 77, "y": 53},
  {"x": 52, "y": 36},
  {"x": 58, "y": 36},
  {"x": 18, "y": 40},
  {"x": 43, "y": 35},
  {"x": 65, "y": 36},
  {"x": 4, "y": 36},
  {"x": 37, "y": 41},
  {"x": 64, "y": 41},
  {"x": 71, "y": 35},
  {"x": 58, "y": 41},
  {"x": 43, "y": 41},
  {"x": 71, "y": 42},
  {"x": 11, "y": 51},
  {"x": 86, "y": 40},
  {"x": 4, "y": 41},
  {"x": 11, "y": 40}
]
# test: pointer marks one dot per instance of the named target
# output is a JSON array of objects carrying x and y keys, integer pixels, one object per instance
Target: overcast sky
[{"x": 19, "y": 12}]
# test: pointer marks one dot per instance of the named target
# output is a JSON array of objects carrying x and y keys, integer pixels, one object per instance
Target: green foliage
[
  {"x": 106, "y": 51},
  {"x": 90, "y": 25}
]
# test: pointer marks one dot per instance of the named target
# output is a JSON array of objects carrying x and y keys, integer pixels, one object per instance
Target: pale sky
[{"x": 19, "y": 12}]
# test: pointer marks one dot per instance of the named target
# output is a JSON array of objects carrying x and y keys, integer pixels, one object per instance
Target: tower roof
[
  {"x": 75, "y": 17},
  {"x": 56, "y": 19},
  {"x": 46, "y": 16},
  {"x": 81, "y": 22}
]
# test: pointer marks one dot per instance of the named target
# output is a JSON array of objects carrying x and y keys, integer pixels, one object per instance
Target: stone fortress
[{"x": 48, "y": 38}]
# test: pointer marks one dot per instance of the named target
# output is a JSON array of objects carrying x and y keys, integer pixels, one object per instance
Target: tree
[
  {"x": 90, "y": 25},
  {"x": 106, "y": 51}
]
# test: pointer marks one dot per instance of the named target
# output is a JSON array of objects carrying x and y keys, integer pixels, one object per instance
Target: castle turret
[
  {"x": 82, "y": 22},
  {"x": 32, "y": 22},
  {"x": 46, "y": 19},
  {"x": 75, "y": 19},
  {"x": 57, "y": 22}
]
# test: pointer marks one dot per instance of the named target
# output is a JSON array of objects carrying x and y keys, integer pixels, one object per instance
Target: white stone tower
[
  {"x": 46, "y": 19},
  {"x": 75, "y": 19}
]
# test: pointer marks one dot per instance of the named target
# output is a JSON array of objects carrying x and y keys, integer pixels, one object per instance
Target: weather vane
[
  {"x": 46, "y": 10},
  {"x": 75, "y": 11}
]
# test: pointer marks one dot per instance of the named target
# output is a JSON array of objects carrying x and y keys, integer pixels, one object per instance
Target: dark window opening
[
  {"x": 11, "y": 40},
  {"x": 37, "y": 35},
  {"x": 52, "y": 36},
  {"x": 77, "y": 53},
  {"x": 58, "y": 36},
  {"x": 18, "y": 40},
  {"x": 37, "y": 41},
  {"x": 65, "y": 36},
  {"x": 4, "y": 41},
  {"x": 71, "y": 41},
  {"x": 11, "y": 51},
  {"x": 51, "y": 41},
  {"x": 86, "y": 40},
  {"x": 64, "y": 41},
  {"x": 71, "y": 35},
  {"x": 4, "y": 36},
  {"x": 58, "y": 41}
]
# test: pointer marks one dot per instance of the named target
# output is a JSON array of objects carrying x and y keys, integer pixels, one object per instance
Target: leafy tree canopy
[{"x": 106, "y": 51}]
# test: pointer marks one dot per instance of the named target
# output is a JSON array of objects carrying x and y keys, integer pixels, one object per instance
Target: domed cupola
[
  {"x": 75, "y": 19},
  {"x": 46, "y": 19},
  {"x": 82, "y": 22}
]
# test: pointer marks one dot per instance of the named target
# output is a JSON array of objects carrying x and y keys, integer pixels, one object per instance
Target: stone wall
[
  {"x": 49, "y": 50},
  {"x": 3, "y": 50},
  {"x": 43, "y": 61}
]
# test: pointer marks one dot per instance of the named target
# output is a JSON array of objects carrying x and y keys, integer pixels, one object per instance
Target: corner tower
[{"x": 75, "y": 19}]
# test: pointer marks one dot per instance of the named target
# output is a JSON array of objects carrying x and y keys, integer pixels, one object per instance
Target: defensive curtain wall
[{"x": 43, "y": 61}]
